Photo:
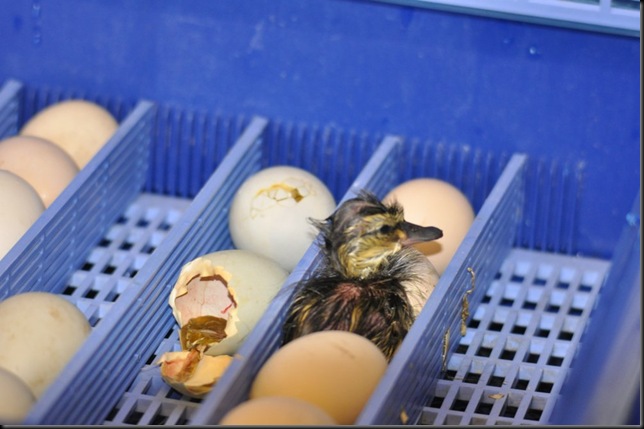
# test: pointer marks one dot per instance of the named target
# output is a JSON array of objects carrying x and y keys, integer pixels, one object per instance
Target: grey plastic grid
[
  {"x": 510, "y": 365},
  {"x": 110, "y": 267},
  {"x": 151, "y": 401}
]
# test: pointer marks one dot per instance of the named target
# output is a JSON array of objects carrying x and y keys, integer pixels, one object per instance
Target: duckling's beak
[{"x": 417, "y": 234}]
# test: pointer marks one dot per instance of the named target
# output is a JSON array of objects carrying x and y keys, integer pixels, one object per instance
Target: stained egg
[
  {"x": 433, "y": 202},
  {"x": 270, "y": 212},
  {"x": 43, "y": 164},
  {"x": 79, "y": 127}
]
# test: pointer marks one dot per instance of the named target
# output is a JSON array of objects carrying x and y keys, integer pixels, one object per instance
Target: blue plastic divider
[
  {"x": 608, "y": 363},
  {"x": 9, "y": 107},
  {"x": 61, "y": 237},
  {"x": 412, "y": 373}
]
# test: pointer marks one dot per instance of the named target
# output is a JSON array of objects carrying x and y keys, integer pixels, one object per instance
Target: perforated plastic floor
[
  {"x": 508, "y": 368},
  {"x": 116, "y": 259},
  {"x": 149, "y": 400},
  {"x": 519, "y": 343}
]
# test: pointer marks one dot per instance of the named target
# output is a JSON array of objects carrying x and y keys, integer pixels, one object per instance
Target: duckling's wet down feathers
[{"x": 371, "y": 281}]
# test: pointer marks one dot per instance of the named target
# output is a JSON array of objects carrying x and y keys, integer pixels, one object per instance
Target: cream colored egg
[
  {"x": 80, "y": 127},
  {"x": 334, "y": 370},
  {"x": 15, "y": 398},
  {"x": 39, "y": 334},
  {"x": 276, "y": 410},
  {"x": 270, "y": 212},
  {"x": 219, "y": 298},
  {"x": 433, "y": 202},
  {"x": 21, "y": 206},
  {"x": 43, "y": 164}
]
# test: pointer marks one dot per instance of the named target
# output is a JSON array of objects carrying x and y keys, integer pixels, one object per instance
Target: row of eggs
[
  {"x": 37, "y": 164},
  {"x": 41, "y": 331},
  {"x": 270, "y": 214}
]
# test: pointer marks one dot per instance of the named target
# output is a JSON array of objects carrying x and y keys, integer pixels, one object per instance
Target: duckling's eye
[{"x": 386, "y": 229}]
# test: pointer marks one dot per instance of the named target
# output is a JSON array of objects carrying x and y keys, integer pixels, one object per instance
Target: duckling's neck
[{"x": 364, "y": 261}]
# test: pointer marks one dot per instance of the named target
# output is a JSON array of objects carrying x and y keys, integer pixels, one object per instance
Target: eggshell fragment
[
  {"x": 334, "y": 370},
  {"x": 80, "y": 127},
  {"x": 433, "y": 202},
  {"x": 219, "y": 297},
  {"x": 16, "y": 398},
  {"x": 43, "y": 164},
  {"x": 39, "y": 333},
  {"x": 270, "y": 212},
  {"x": 192, "y": 373},
  {"x": 20, "y": 209},
  {"x": 276, "y": 410}
]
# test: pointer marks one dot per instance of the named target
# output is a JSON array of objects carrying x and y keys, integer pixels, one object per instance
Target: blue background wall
[{"x": 369, "y": 66}]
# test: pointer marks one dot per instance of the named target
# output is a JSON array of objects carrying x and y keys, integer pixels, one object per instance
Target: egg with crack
[
  {"x": 219, "y": 298},
  {"x": 270, "y": 213}
]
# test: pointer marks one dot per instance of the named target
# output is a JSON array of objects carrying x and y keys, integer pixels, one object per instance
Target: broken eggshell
[
  {"x": 191, "y": 372},
  {"x": 217, "y": 300}
]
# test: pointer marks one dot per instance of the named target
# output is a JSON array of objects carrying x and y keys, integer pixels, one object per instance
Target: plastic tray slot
[
  {"x": 130, "y": 331},
  {"x": 511, "y": 365},
  {"x": 413, "y": 371},
  {"x": 609, "y": 358},
  {"x": 57, "y": 240}
]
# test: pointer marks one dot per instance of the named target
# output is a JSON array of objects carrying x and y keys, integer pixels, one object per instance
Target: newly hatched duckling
[{"x": 371, "y": 281}]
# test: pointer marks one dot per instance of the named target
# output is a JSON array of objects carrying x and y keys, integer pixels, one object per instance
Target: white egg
[
  {"x": 21, "y": 206},
  {"x": 80, "y": 127},
  {"x": 219, "y": 298},
  {"x": 40, "y": 333},
  {"x": 433, "y": 202},
  {"x": 43, "y": 164},
  {"x": 270, "y": 212},
  {"x": 16, "y": 398}
]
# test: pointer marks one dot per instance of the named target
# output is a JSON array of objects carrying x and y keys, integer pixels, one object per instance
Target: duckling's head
[{"x": 363, "y": 233}]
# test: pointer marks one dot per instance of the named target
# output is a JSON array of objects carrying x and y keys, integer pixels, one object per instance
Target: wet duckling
[{"x": 371, "y": 281}]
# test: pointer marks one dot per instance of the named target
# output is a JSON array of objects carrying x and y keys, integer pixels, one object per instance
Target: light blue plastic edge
[
  {"x": 605, "y": 376},
  {"x": 9, "y": 106},
  {"x": 413, "y": 372},
  {"x": 60, "y": 238},
  {"x": 111, "y": 357},
  {"x": 601, "y": 17},
  {"x": 234, "y": 385}
]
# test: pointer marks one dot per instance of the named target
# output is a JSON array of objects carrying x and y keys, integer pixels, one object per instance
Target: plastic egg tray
[{"x": 165, "y": 182}]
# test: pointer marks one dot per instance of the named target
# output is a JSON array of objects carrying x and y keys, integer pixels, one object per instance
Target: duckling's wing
[{"x": 377, "y": 308}]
